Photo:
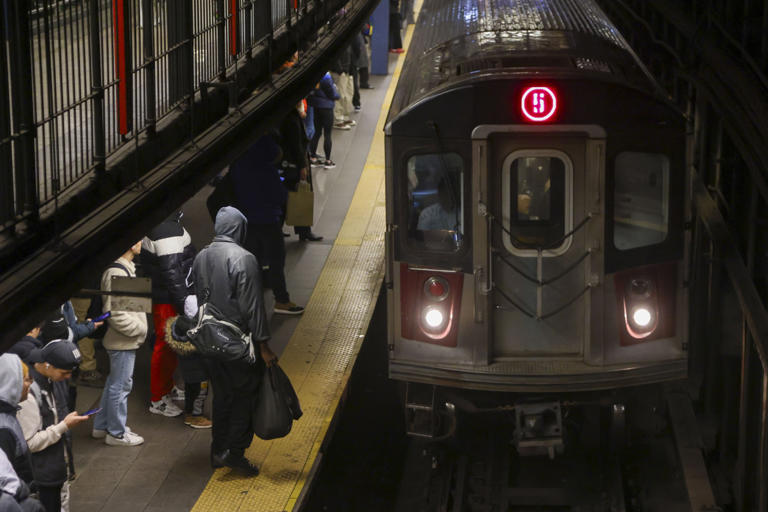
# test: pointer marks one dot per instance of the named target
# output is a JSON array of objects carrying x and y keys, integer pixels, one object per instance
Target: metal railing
[{"x": 80, "y": 80}]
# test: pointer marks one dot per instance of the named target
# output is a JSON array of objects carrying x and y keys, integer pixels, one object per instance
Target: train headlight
[
  {"x": 433, "y": 318},
  {"x": 642, "y": 317}
]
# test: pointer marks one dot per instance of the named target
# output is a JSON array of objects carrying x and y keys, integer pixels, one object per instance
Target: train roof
[{"x": 459, "y": 39}]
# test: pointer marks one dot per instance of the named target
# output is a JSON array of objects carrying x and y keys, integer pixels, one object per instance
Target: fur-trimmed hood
[{"x": 176, "y": 329}]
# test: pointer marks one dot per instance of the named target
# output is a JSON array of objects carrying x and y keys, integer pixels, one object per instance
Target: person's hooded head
[
  {"x": 11, "y": 379},
  {"x": 231, "y": 223}
]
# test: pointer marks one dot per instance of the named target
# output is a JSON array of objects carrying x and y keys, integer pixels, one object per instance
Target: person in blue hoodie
[
  {"x": 261, "y": 195},
  {"x": 322, "y": 99}
]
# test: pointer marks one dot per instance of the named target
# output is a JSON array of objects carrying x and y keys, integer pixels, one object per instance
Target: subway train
[{"x": 536, "y": 216}]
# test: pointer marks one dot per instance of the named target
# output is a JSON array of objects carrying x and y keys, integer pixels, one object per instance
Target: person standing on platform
[
  {"x": 262, "y": 196},
  {"x": 293, "y": 142},
  {"x": 14, "y": 386},
  {"x": 227, "y": 276},
  {"x": 46, "y": 420},
  {"x": 14, "y": 492},
  {"x": 88, "y": 374},
  {"x": 395, "y": 27},
  {"x": 322, "y": 100},
  {"x": 342, "y": 109},
  {"x": 364, "y": 62},
  {"x": 359, "y": 63},
  {"x": 125, "y": 333},
  {"x": 167, "y": 255}
]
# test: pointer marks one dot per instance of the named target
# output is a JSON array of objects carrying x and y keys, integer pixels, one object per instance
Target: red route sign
[{"x": 538, "y": 104}]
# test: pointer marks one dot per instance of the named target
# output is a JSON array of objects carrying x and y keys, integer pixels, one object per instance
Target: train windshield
[
  {"x": 535, "y": 183},
  {"x": 436, "y": 201},
  {"x": 641, "y": 200}
]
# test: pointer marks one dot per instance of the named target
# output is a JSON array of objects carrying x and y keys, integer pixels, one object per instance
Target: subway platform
[{"x": 337, "y": 279}]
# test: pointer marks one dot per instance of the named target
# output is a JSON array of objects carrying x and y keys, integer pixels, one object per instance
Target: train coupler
[{"x": 539, "y": 429}]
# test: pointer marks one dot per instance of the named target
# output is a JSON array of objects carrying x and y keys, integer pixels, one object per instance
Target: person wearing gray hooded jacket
[
  {"x": 13, "y": 389},
  {"x": 14, "y": 493},
  {"x": 227, "y": 276}
]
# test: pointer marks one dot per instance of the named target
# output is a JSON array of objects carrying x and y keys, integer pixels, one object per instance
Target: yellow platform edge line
[{"x": 225, "y": 489}]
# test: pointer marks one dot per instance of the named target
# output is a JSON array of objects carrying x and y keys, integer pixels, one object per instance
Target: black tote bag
[{"x": 277, "y": 405}]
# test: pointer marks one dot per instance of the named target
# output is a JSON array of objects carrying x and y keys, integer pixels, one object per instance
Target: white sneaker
[
  {"x": 165, "y": 406},
  {"x": 128, "y": 439},
  {"x": 101, "y": 434},
  {"x": 177, "y": 394}
]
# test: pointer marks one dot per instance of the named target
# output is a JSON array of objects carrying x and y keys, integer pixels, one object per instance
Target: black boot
[
  {"x": 217, "y": 459},
  {"x": 310, "y": 236},
  {"x": 240, "y": 463}
]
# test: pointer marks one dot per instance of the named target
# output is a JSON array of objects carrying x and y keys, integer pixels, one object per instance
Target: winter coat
[
  {"x": 325, "y": 95},
  {"x": 127, "y": 329},
  {"x": 342, "y": 61},
  {"x": 359, "y": 52},
  {"x": 14, "y": 493},
  {"x": 167, "y": 255},
  {"x": 293, "y": 141},
  {"x": 258, "y": 188},
  {"x": 192, "y": 365},
  {"x": 47, "y": 436},
  {"x": 228, "y": 276},
  {"x": 79, "y": 330},
  {"x": 12, "y": 440}
]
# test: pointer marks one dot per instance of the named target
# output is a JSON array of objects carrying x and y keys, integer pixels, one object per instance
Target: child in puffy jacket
[{"x": 322, "y": 99}]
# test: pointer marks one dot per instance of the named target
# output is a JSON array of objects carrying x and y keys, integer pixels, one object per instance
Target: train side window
[
  {"x": 537, "y": 198},
  {"x": 640, "y": 199},
  {"x": 436, "y": 201}
]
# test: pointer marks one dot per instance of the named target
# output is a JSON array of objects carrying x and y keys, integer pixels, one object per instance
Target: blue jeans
[{"x": 114, "y": 399}]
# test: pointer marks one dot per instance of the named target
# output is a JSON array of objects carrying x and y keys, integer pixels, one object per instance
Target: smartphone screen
[
  {"x": 103, "y": 317},
  {"x": 91, "y": 412}
]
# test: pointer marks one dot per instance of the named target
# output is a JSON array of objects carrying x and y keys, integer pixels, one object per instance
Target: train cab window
[
  {"x": 436, "y": 201},
  {"x": 641, "y": 200},
  {"x": 537, "y": 198}
]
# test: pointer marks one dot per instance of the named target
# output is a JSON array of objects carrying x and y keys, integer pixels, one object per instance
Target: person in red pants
[{"x": 167, "y": 256}]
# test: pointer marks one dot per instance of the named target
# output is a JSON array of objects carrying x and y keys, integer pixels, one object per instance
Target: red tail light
[
  {"x": 430, "y": 302},
  {"x": 646, "y": 300}
]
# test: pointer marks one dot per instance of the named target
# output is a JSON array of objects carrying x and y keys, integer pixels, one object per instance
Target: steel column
[
  {"x": 97, "y": 88},
  {"x": 7, "y": 202},
  {"x": 22, "y": 103},
  {"x": 148, "y": 39},
  {"x": 221, "y": 40}
]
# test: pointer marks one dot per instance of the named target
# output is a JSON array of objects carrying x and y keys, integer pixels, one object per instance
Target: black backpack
[{"x": 96, "y": 308}]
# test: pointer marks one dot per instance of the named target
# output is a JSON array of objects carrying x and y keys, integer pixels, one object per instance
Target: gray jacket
[{"x": 229, "y": 277}]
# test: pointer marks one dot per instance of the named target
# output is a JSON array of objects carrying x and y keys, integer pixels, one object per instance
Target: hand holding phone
[
  {"x": 72, "y": 419},
  {"x": 103, "y": 317},
  {"x": 92, "y": 412}
]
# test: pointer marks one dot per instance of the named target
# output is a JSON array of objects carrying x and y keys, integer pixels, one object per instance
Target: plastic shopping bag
[{"x": 277, "y": 405}]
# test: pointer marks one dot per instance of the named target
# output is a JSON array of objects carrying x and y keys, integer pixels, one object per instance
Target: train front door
[{"x": 537, "y": 224}]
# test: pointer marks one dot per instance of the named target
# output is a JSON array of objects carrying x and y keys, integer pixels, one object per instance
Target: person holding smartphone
[{"x": 45, "y": 420}]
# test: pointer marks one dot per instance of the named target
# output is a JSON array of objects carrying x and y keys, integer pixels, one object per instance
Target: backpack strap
[{"x": 120, "y": 266}]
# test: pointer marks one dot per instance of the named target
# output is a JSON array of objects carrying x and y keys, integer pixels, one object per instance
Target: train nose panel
[{"x": 539, "y": 235}]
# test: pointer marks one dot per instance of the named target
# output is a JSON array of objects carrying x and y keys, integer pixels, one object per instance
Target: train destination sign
[{"x": 538, "y": 103}]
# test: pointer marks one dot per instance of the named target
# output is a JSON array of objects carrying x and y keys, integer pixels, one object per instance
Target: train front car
[{"x": 536, "y": 200}]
